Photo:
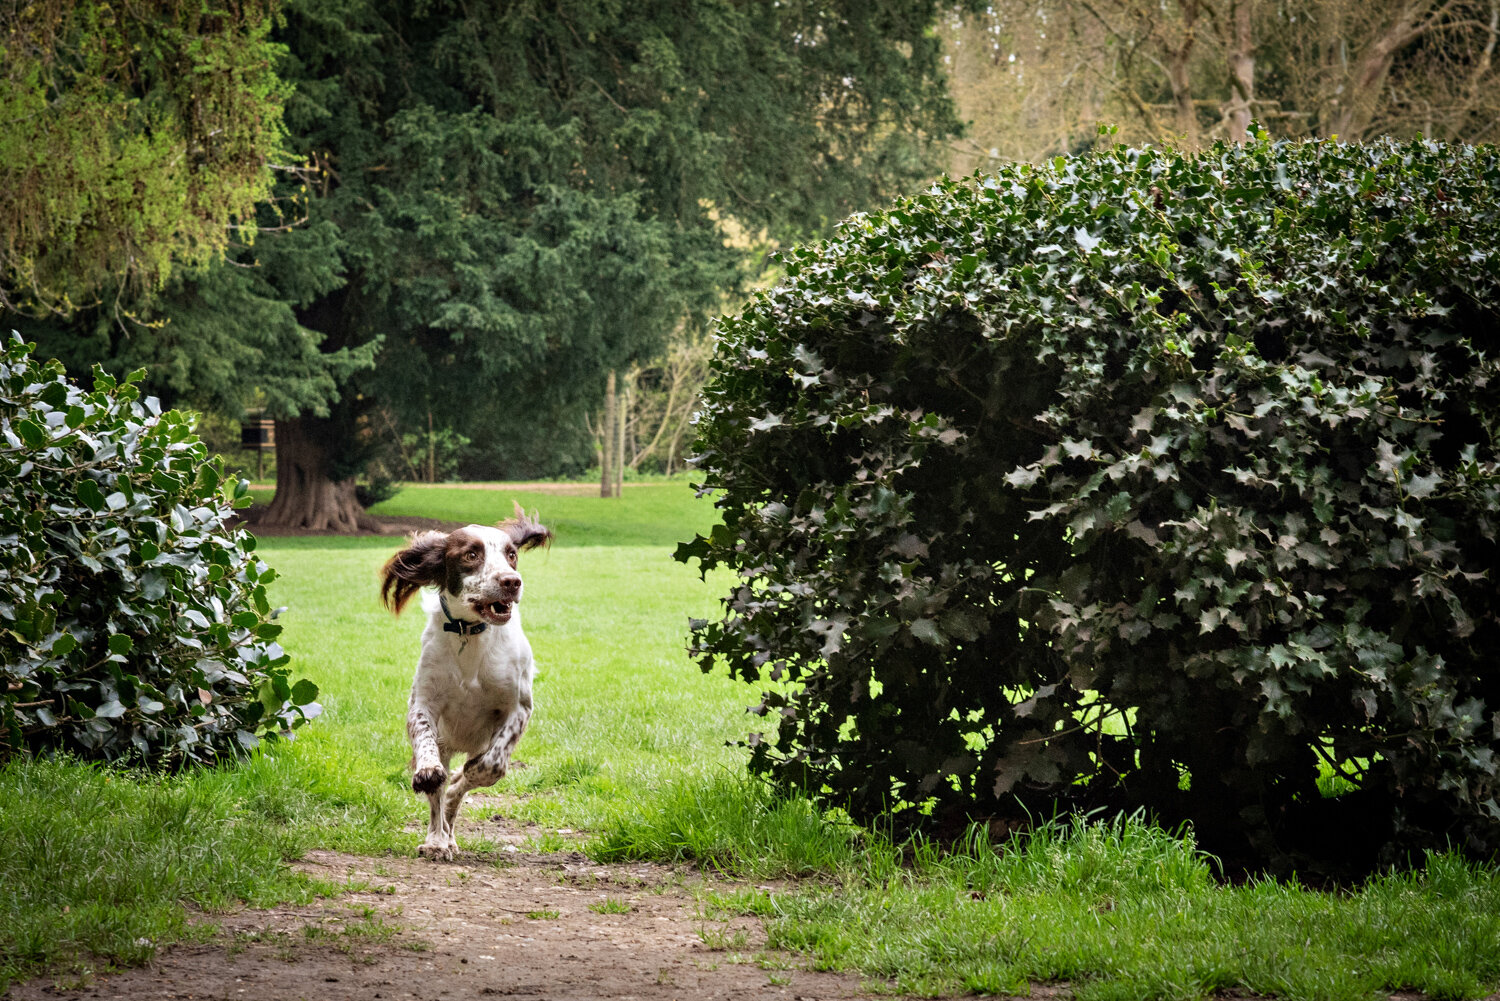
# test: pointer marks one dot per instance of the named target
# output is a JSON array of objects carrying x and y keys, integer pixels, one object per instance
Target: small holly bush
[
  {"x": 1141, "y": 479},
  {"x": 134, "y": 623}
]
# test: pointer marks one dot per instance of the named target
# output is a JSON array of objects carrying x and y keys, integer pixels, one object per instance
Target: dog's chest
[{"x": 473, "y": 695}]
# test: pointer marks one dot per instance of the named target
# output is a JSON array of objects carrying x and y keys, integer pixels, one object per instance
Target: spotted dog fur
[{"x": 472, "y": 690}]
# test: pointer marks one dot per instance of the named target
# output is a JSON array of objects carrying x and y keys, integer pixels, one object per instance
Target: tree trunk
[
  {"x": 1241, "y": 73},
  {"x": 622, "y": 410},
  {"x": 431, "y": 451},
  {"x": 1179, "y": 78},
  {"x": 306, "y": 497},
  {"x": 607, "y": 438},
  {"x": 1363, "y": 88}
]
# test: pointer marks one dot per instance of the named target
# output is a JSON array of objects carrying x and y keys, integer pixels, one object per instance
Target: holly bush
[
  {"x": 1142, "y": 479},
  {"x": 134, "y": 622}
]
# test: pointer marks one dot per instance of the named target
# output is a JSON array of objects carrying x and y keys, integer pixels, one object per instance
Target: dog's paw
[
  {"x": 429, "y": 780},
  {"x": 438, "y": 852}
]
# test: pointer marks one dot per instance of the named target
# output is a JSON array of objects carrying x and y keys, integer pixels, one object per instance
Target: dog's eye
[
  {"x": 471, "y": 556},
  {"x": 510, "y": 554}
]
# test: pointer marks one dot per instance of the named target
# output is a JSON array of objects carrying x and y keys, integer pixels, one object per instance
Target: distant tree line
[
  {"x": 1037, "y": 76},
  {"x": 485, "y": 208}
]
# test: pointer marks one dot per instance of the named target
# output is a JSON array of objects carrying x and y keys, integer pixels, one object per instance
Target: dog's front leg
[
  {"x": 489, "y": 766},
  {"x": 429, "y": 775},
  {"x": 428, "y": 771}
]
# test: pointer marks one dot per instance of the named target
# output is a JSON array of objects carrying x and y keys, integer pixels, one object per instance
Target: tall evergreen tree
[{"x": 512, "y": 198}]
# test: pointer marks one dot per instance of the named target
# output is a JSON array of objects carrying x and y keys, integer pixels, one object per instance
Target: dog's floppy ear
[
  {"x": 525, "y": 531},
  {"x": 416, "y": 566}
]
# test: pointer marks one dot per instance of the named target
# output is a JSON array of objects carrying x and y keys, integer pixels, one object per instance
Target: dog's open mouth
[{"x": 496, "y": 612}]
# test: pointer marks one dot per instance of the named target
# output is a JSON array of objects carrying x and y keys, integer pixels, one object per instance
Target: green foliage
[
  {"x": 1141, "y": 479},
  {"x": 223, "y": 339},
  {"x": 137, "y": 625},
  {"x": 516, "y": 199},
  {"x": 133, "y": 137}
]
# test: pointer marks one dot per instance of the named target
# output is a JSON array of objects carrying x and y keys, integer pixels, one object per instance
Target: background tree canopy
[
  {"x": 133, "y": 136},
  {"x": 1037, "y": 76},
  {"x": 508, "y": 201}
]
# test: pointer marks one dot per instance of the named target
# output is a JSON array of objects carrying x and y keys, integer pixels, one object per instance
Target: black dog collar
[{"x": 461, "y": 626}]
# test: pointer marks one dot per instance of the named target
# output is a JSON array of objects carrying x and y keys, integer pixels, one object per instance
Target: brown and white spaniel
[{"x": 472, "y": 690}]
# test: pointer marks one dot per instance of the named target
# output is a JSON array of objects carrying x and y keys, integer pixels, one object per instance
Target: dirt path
[{"x": 512, "y": 925}]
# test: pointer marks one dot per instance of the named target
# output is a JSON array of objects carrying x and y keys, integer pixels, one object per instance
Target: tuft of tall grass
[{"x": 732, "y": 824}]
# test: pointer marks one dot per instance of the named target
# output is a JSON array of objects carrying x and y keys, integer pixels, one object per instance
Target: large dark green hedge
[
  {"x": 1146, "y": 478},
  {"x": 134, "y": 623}
]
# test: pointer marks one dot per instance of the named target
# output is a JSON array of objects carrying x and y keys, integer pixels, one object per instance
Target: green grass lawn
[
  {"x": 659, "y": 513},
  {"x": 627, "y": 751}
]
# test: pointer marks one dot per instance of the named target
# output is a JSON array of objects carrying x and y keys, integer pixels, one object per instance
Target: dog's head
[{"x": 475, "y": 566}]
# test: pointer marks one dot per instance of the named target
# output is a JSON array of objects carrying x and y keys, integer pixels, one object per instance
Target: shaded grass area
[
  {"x": 628, "y": 748},
  {"x": 1120, "y": 909},
  {"x": 1117, "y": 912}
]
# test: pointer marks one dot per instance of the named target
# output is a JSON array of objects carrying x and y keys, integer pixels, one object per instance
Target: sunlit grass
[
  {"x": 620, "y": 710},
  {"x": 661, "y": 513}
]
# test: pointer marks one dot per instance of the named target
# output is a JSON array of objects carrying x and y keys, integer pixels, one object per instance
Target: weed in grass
[
  {"x": 543, "y": 915},
  {"x": 373, "y": 929},
  {"x": 779, "y": 979},
  {"x": 722, "y": 938},
  {"x": 755, "y": 903},
  {"x": 478, "y": 844},
  {"x": 546, "y": 842},
  {"x": 77, "y": 979},
  {"x": 611, "y": 905}
]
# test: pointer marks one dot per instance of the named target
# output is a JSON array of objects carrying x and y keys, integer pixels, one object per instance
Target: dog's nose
[{"x": 509, "y": 584}]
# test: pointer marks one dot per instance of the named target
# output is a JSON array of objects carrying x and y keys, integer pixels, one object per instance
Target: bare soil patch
[{"x": 507, "y": 925}]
